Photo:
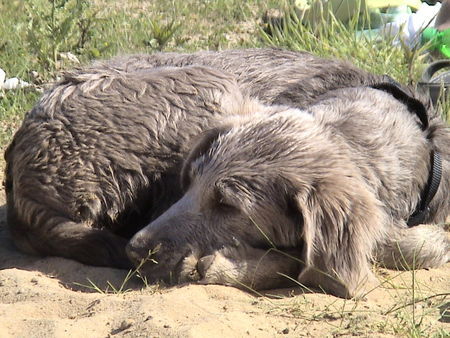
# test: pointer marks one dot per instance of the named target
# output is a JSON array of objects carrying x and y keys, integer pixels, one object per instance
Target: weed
[
  {"x": 444, "y": 106},
  {"x": 57, "y": 25},
  {"x": 161, "y": 33},
  {"x": 413, "y": 313},
  {"x": 122, "y": 288}
]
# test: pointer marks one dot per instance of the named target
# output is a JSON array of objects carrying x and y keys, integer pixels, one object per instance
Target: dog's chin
[
  {"x": 258, "y": 270},
  {"x": 191, "y": 267},
  {"x": 215, "y": 269}
]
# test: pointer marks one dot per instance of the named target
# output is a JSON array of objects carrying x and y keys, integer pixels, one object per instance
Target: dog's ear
[
  {"x": 342, "y": 222},
  {"x": 200, "y": 146}
]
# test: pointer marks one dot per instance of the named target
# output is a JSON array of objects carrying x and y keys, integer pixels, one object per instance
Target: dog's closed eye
[{"x": 225, "y": 197}]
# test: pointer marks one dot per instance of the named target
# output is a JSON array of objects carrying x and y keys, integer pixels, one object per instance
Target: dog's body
[{"x": 100, "y": 155}]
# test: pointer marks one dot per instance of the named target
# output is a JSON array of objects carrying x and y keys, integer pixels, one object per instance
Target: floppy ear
[
  {"x": 200, "y": 146},
  {"x": 342, "y": 223}
]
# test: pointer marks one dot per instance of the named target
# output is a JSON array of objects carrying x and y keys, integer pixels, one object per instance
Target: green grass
[
  {"x": 33, "y": 33},
  {"x": 13, "y": 104},
  {"x": 334, "y": 39}
]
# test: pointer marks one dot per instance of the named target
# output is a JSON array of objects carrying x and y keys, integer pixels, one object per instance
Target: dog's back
[{"x": 274, "y": 76}]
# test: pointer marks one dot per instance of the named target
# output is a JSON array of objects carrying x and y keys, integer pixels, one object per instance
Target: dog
[
  {"x": 317, "y": 193},
  {"x": 99, "y": 156}
]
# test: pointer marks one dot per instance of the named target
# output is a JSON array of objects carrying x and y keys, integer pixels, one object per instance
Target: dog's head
[{"x": 265, "y": 197}]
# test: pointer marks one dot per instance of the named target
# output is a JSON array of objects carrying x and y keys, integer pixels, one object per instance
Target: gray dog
[{"x": 99, "y": 157}]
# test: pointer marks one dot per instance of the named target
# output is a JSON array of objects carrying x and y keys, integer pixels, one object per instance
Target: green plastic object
[{"x": 440, "y": 40}]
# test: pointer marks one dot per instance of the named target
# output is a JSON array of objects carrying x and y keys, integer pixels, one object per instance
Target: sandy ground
[{"x": 52, "y": 297}]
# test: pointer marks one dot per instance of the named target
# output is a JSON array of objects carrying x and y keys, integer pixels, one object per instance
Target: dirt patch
[{"x": 56, "y": 297}]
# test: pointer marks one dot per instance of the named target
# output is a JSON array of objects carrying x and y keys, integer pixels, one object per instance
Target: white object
[
  {"x": 14, "y": 83},
  {"x": 409, "y": 27}
]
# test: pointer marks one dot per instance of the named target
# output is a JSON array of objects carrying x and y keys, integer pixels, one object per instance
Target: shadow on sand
[{"x": 71, "y": 274}]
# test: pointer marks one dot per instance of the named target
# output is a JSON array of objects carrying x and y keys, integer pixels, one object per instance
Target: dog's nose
[
  {"x": 138, "y": 250},
  {"x": 135, "y": 254}
]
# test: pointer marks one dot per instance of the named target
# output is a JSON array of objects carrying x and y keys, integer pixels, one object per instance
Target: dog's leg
[
  {"x": 422, "y": 246},
  {"x": 62, "y": 237}
]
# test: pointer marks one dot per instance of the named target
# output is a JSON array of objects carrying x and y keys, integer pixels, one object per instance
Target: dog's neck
[{"x": 434, "y": 177}]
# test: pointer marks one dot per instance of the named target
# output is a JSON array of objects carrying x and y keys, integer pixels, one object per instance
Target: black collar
[{"x": 434, "y": 177}]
